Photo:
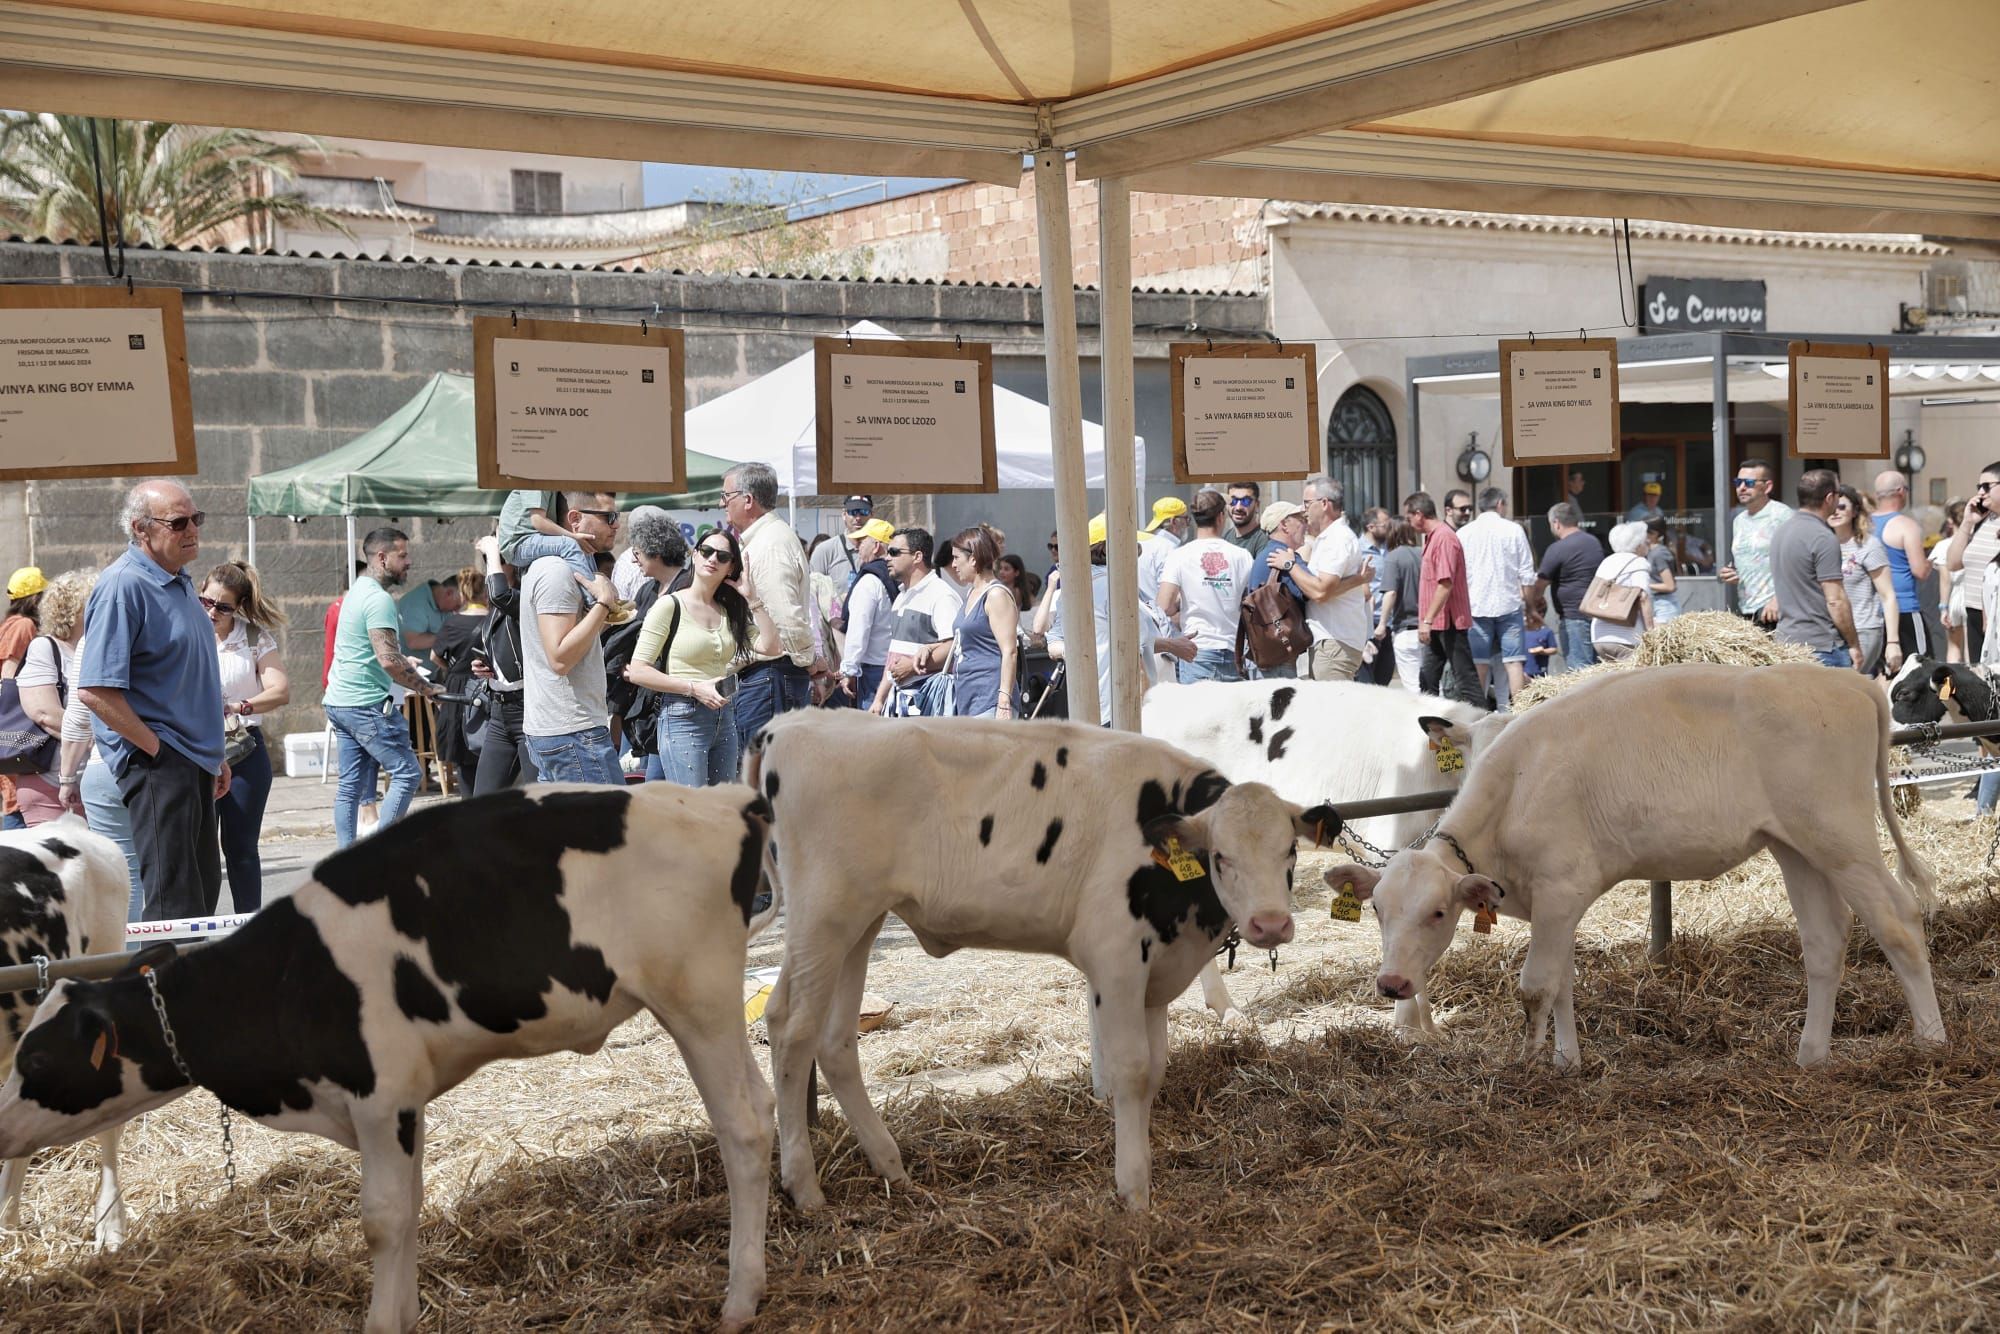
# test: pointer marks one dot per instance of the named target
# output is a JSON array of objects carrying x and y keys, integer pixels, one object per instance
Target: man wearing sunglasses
[
  {"x": 870, "y": 594},
  {"x": 151, "y": 678},
  {"x": 1751, "y": 527},
  {"x": 1246, "y": 509},
  {"x": 776, "y": 563}
]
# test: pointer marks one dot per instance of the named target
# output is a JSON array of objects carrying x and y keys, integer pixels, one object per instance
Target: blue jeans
[
  {"x": 867, "y": 683},
  {"x": 537, "y": 545},
  {"x": 241, "y": 813},
  {"x": 371, "y": 739},
  {"x": 1989, "y": 793},
  {"x": 1665, "y": 607},
  {"x": 1506, "y": 635},
  {"x": 576, "y": 757},
  {"x": 697, "y": 743},
  {"x": 1577, "y": 651},
  {"x": 765, "y": 691},
  {"x": 1210, "y": 664},
  {"x": 1837, "y": 656},
  {"x": 13, "y": 820},
  {"x": 104, "y": 811}
]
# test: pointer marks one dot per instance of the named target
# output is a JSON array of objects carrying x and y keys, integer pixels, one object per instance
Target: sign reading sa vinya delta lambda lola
[
  {"x": 1248, "y": 416},
  {"x": 1559, "y": 400},
  {"x": 600, "y": 411},
  {"x": 1840, "y": 404},
  {"x": 903, "y": 421},
  {"x": 90, "y": 387}
]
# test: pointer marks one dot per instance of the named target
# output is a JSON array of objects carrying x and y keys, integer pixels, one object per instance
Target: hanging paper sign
[
  {"x": 93, "y": 383},
  {"x": 904, "y": 417},
  {"x": 1244, "y": 410},
  {"x": 1558, "y": 400},
  {"x": 1840, "y": 401},
  {"x": 597, "y": 407}
]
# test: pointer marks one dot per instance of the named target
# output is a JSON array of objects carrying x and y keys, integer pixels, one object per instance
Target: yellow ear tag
[
  {"x": 97, "y": 1051},
  {"x": 1184, "y": 864},
  {"x": 1450, "y": 758},
  {"x": 1483, "y": 920},
  {"x": 1944, "y": 690},
  {"x": 1346, "y": 906}
]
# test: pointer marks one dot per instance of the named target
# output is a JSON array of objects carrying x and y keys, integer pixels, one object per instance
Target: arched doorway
[{"x": 1361, "y": 450}]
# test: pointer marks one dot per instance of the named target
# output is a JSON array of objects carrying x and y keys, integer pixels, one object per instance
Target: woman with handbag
[
  {"x": 696, "y": 635},
  {"x": 1619, "y": 604},
  {"x": 253, "y": 683},
  {"x": 45, "y": 684},
  {"x": 459, "y": 640}
]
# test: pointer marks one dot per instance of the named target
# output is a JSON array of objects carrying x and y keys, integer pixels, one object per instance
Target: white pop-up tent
[{"x": 773, "y": 418}]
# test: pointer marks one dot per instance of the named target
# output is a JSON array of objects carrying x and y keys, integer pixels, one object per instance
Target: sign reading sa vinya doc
[
  {"x": 899, "y": 416},
  {"x": 93, "y": 383},
  {"x": 597, "y": 406},
  {"x": 1244, "y": 410},
  {"x": 1840, "y": 401},
  {"x": 1558, "y": 400}
]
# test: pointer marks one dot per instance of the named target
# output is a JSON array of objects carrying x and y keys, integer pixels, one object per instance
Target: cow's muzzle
[
  {"x": 1267, "y": 931},
  {"x": 1395, "y": 987}
]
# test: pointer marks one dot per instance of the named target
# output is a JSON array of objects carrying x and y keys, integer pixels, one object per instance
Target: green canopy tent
[{"x": 421, "y": 462}]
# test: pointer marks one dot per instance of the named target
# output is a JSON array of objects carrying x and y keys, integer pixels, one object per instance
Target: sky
[{"x": 667, "y": 183}]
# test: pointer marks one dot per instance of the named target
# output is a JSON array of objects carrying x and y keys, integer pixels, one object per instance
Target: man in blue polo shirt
[{"x": 151, "y": 679}]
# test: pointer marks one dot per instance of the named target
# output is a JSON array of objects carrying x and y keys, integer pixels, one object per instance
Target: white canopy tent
[{"x": 773, "y": 419}]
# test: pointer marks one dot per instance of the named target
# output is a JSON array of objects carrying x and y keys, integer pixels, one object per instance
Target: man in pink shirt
[{"x": 1444, "y": 617}]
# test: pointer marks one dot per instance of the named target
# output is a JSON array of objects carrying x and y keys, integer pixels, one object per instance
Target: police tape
[{"x": 184, "y": 928}]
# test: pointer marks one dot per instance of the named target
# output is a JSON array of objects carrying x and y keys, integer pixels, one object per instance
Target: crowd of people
[{"x": 589, "y": 645}]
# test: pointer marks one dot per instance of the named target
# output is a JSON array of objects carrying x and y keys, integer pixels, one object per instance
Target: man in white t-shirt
[
  {"x": 1201, "y": 588},
  {"x": 1335, "y": 580},
  {"x": 1499, "y": 576},
  {"x": 1162, "y": 539},
  {"x": 564, "y": 718}
]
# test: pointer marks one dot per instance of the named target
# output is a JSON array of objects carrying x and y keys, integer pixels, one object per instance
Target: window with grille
[
  {"x": 1361, "y": 450},
  {"x": 538, "y": 192}
]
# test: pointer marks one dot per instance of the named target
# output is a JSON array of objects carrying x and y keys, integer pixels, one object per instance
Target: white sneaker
[{"x": 366, "y": 821}]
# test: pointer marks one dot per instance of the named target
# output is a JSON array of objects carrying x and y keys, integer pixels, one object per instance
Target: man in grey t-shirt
[
  {"x": 564, "y": 718},
  {"x": 1805, "y": 577}
]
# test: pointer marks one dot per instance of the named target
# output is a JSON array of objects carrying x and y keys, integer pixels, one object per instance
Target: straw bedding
[
  {"x": 1696, "y": 636},
  {"x": 1322, "y": 1171}
]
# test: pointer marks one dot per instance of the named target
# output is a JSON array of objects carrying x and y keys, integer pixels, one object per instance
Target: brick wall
[{"x": 284, "y": 378}]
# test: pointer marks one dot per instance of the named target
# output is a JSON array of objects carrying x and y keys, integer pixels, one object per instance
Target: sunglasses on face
[
  {"x": 1750, "y": 481},
  {"x": 896, "y": 551},
  {"x": 179, "y": 523},
  {"x": 210, "y": 604},
  {"x": 1986, "y": 486},
  {"x": 1459, "y": 509},
  {"x": 716, "y": 553},
  {"x": 609, "y": 516},
  {"x": 1240, "y": 502},
  {"x": 1052, "y": 548}
]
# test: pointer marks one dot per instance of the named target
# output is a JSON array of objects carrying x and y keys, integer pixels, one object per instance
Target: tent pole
[
  {"x": 1114, "y": 248},
  {"x": 348, "y": 573},
  {"x": 1066, "y": 431},
  {"x": 792, "y": 511},
  {"x": 250, "y": 540}
]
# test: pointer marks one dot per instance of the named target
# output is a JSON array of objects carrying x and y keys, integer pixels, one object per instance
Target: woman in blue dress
[{"x": 987, "y": 630}]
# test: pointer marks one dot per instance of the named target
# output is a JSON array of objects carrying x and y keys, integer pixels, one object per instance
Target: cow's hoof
[
  {"x": 1237, "y": 1021},
  {"x": 110, "y": 1236},
  {"x": 807, "y": 1199}
]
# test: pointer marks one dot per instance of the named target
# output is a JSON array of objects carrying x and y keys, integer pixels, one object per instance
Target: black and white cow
[
  {"x": 1048, "y": 838},
  {"x": 507, "y": 926},
  {"x": 1326, "y": 741},
  {"x": 1929, "y": 691},
  {"x": 63, "y": 892}
]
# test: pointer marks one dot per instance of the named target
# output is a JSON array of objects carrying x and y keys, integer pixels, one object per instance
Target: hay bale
[{"x": 1696, "y": 636}]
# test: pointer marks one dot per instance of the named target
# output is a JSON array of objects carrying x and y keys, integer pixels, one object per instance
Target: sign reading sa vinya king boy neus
[
  {"x": 904, "y": 417},
  {"x": 595, "y": 406},
  {"x": 1840, "y": 401},
  {"x": 1244, "y": 410},
  {"x": 93, "y": 383},
  {"x": 1558, "y": 400}
]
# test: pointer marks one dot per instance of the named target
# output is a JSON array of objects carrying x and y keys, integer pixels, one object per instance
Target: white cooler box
[{"x": 307, "y": 754}]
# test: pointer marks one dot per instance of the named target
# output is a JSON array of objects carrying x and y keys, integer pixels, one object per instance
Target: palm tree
[{"x": 162, "y": 184}]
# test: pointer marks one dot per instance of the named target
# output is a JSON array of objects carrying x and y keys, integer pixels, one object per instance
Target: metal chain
[
  {"x": 174, "y": 1052},
  {"x": 1361, "y": 847},
  {"x": 41, "y": 962}
]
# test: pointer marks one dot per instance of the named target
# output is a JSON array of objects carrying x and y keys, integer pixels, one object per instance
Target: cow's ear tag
[
  {"x": 1184, "y": 864},
  {"x": 1450, "y": 759},
  {"x": 1483, "y": 920},
  {"x": 1346, "y": 905},
  {"x": 1944, "y": 691},
  {"x": 97, "y": 1050}
]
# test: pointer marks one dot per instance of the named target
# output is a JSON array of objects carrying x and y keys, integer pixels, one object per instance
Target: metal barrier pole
[{"x": 1660, "y": 934}]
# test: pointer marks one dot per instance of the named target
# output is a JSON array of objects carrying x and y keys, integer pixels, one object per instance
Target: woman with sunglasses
[
  {"x": 253, "y": 682},
  {"x": 696, "y": 635},
  {"x": 1871, "y": 591},
  {"x": 1974, "y": 546},
  {"x": 987, "y": 644}
]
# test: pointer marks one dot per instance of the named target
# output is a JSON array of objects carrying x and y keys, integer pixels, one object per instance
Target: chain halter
[{"x": 180, "y": 1064}]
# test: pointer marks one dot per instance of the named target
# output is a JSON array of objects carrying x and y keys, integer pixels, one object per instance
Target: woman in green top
[{"x": 700, "y": 631}]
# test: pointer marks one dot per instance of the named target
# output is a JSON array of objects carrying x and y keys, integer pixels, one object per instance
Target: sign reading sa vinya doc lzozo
[
  {"x": 93, "y": 383},
  {"x": 1558, "y": 400},
  {"x": 597, "y": 406},
  {"x": 1244, "y": 410},
  {"x": 1840, "y": 401},
  {"x": 898, "y": 416}
]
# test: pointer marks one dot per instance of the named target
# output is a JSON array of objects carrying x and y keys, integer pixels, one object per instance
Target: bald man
[
  {"x": 1903, "y": 538},
  {"x": 150, "y": 677}
]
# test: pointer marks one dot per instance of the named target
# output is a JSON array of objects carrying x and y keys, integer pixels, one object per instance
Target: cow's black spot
[
  {"x": 1281, "y": 699},
  {"x": 1062, "y": 757},
  {"x": 406, "y": 1131},
  {"x": 1257, "y": 729},
  {"x": 1191, "y": 798},
  {"x": 771, "y": 784},
  {"x": 59, "y": 848},
  {"x": 1040, "y": 778},
  {"x": 1276, "y": 749},
  {"x": 1164, "y": 902},
  {"x": 480, "y": 883},
  {"x": 749, "y": 872},
  {"x": 34, "y": 910},
  {"x": 415, "y": 994},
  {"x": 1204, "y": 790},
  {"x": 985, "y": 831},
  {"x": 1096, "y": 999},
  {"x": 1145, "y": 949},
  {"x": 1048, "y": 842}
]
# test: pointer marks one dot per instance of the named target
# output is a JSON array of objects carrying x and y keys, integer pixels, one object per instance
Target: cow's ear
[
  {"x": 1363, "y": 878},
  {"x": 155, "y": 955},
  {"x": 1319, "y": 823},
  {"x": 1479, "y": 893},
  {"x": 1188, "y": 835},
  {"x": 1437, "y": 729},
  {"x": 1940, "y": 674}
]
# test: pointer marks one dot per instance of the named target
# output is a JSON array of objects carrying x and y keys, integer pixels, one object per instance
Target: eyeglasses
[
  {"x": 210, "y": 604},
  {"x": 609, "y": 516},
  {"x": 1052, "y": 548},
  {"x": 728, "y": 496},
  {"x": 1751, "y": 481},
  {"x": 1240, "y": 502},
  {"x": 1983, "y": 486},
  {"x": 896, "y": 551},
  {"x": 716, "y": 553},
  {"x": 179, "y": 523},
  {"x": 1459, "y": 509}
]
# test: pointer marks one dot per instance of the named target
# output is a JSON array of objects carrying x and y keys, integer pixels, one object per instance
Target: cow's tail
[
  {"x": 1917, "y": 877},
  {"x": 752, "y": 775}
]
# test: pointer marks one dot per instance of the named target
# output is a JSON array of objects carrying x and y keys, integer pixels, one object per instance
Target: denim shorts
[{"x": 1508, "y": 633}]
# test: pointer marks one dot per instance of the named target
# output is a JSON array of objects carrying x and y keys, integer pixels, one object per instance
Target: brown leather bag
[
  {"x": 1274, "y": 624},
  {"x": 1609, "y": 600}
]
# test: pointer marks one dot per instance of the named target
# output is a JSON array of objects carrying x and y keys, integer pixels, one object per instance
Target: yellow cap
[{"x": 26, "y": 582}]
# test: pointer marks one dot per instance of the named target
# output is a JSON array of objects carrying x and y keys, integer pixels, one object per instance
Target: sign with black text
[
  {"x": 93, "y": 383},
  {"x": 590, "y": 406},
  {"x": 1840, "y": 401},
  {"x": 1558, "y": 400},
  {"x": 1701, "y": 305},
  {"x": 904, "y": 417},
  {"x": 1244, "y": 410}
]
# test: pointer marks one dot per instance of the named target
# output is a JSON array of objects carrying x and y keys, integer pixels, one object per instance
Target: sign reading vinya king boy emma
[
  {"x": 898, "y": 416},
  {"x": 1244, "y": 410},
  {"x": 597, "y": 406},
  {"x": 1558, "y": 400},
  {"x": 1840, "y": 401},
  {"x": 93, "y": 383}
]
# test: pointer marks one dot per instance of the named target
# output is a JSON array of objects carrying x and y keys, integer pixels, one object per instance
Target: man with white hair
[
  {"x": 151, "y": 678},
  {"x": 1335, "y": 581}
]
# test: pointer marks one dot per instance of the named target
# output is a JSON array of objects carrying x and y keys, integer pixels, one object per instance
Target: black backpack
[{"x": 639, "y": 708}]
